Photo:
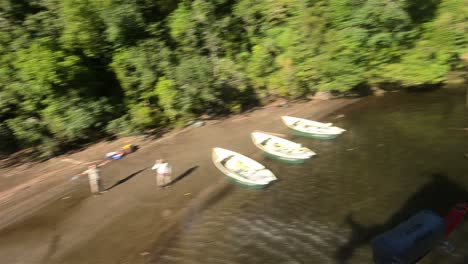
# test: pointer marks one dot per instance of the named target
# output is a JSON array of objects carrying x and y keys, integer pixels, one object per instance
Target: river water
[{"x": 402, "y": 153}]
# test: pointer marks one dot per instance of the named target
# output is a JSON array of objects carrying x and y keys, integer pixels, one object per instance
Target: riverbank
[{"x": 50, "y": 219}]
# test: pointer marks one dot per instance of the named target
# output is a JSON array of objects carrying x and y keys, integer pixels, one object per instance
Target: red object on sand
[{"x": 455, "y": 217}]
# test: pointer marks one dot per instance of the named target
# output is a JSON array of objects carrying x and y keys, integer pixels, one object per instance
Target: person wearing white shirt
[
  {"x": 163, "y": 172},
  {"x": 95, "y": 181}
]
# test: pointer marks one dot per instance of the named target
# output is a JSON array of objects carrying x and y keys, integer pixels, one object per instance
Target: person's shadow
[
  {"x": 439, "y": 195},
  {"x": 126, "y": 179},
  {"x": 181, "y": 176}
]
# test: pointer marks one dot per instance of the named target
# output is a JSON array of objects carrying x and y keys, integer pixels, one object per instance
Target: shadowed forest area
[{"x": 73, "y": 71}]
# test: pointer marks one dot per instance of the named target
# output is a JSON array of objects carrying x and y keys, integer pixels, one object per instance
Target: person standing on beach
[
  {"x": 95, "y": 182},
  {"x": 163, "y": 172}
]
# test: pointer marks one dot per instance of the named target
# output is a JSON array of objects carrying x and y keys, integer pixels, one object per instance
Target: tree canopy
[{"x": 74, "y": 70}]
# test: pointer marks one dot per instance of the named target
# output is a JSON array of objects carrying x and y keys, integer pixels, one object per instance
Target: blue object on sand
[
  {"x": 409, "y": 241},
  {"x": 114, "y": 155}
]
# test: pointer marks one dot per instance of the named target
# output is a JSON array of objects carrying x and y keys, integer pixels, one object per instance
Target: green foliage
[
  {"x": 7, "y": 138},
  {"x": 166, "y": 92},
  {"x": 420, "y": 66},
  {"x": 28, "y": 131},
  {"x": 124, "y": 21},
  {"x": 83, "y": 27},
  {"x": 75, "y": 119},
  {"x": 260, "y": 65},
  {"x": 121, "y": 126},
  {"x": 137, "y": 68},
  {"x": 48, "y": 147},
  {"x": 70, "y": 69},
  {"x": 8, "y": 104},
  {"x": 143, "y": 117},
  {"x": 179, "y": 21},
  {"x": 41, "y": 68},
  {"x": 194, "y": 76}
]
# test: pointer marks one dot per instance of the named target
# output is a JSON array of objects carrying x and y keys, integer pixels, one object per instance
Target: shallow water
[{"x": 402, "y": 153}]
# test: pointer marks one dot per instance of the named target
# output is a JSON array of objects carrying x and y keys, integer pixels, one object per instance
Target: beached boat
[
  {"x": 280, "y": 148},
  {"x": 241, "y": 169},
  {"x": 309, "y": 128},
  {"x": 291, "y": 120}
]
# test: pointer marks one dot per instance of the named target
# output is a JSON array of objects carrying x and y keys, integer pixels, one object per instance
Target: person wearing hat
[{"x": 163, "y": 172}]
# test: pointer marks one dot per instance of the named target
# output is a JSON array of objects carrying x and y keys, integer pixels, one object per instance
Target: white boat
[
  {"x": 289, "y": 120},
  {"x": 309, "y": 128},
  {"x": 280, "y": 148},
  {"x": 241, "y": 169}
]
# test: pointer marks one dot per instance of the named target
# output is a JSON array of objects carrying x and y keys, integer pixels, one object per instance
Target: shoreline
[{"x": 87, "y": 236}]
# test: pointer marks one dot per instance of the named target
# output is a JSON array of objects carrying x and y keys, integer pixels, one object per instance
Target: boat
[
  {"x": 280, "y": 148},
  {"x": 291, "y": 120},
  {"x": 241, "y": 169},
  {"x": 313, "y": 129}
]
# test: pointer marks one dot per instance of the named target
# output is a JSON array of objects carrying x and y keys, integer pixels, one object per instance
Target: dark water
[{"x": 401, "y": 154}]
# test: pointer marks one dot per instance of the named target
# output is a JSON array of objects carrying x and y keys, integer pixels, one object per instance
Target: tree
[
  {"x": 72, "y": 120},
  {"x": 74, "y": 68},
  {"x": 194, "y": 77},
  {"x": 166, "y": 92},
  {"x": 137, "y": 68},
  {"x": 123, "y": 20},
  {"x": 83, "y": 28}
]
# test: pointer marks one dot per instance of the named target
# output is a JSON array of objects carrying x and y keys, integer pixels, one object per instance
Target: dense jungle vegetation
[{"x": 72, "y": 71}]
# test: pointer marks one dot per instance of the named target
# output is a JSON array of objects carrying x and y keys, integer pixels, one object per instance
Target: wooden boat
[
  {"x": 280, "y": 148},
  {"x": 241, "y": 169},
  {"x": 309, "y": 128},
  {"x": 291, "y": 120}
]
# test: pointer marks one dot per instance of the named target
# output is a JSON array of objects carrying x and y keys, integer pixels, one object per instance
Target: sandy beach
[{"x": 46, "y": 217}]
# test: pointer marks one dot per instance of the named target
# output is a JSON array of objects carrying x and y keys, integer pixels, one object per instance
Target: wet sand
[{"x": 50, "y": 219}]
